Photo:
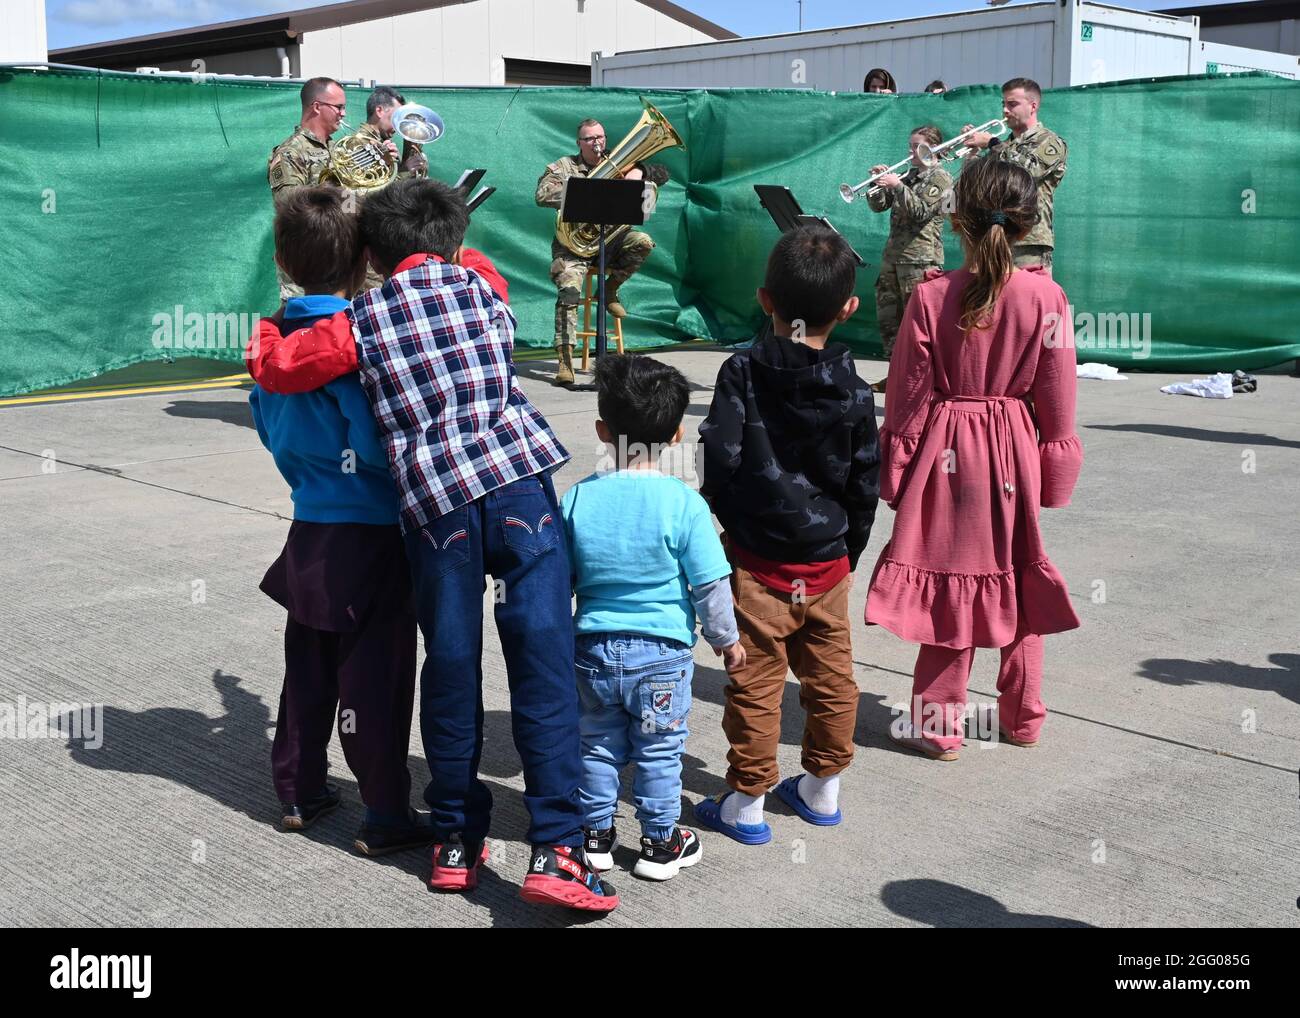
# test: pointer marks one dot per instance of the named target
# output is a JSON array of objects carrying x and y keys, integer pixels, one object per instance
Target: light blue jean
[{"x": 634, "y": 692}]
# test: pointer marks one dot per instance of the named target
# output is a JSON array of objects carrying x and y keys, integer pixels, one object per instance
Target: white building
[
  {"x": 1261, "y": 24},
  {"x": 22, "y": 39},
  {"x": 414, "y": 42},
  {"x": 1069, "y": 42}
]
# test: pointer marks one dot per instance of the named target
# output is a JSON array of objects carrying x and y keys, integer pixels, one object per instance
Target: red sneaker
[
  {"x": 561, "y": 875},
  {"x": 452, "y": 869}
]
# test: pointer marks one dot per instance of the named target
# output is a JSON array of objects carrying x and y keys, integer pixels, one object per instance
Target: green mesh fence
[{"x": 138, "y": 218}]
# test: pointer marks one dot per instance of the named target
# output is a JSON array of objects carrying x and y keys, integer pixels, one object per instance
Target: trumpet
[
  {"x": 867, "y": 188},
  {"x": 932, "y": 155},
  {"x": 928, "y": 156}
]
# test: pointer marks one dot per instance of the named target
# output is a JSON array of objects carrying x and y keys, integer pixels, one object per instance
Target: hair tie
[{"x": 998, "y": 218}]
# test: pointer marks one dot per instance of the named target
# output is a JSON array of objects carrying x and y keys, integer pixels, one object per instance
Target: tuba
[
  {"x": 652, "y": 133},
  {"x": 362, "y": 166}
]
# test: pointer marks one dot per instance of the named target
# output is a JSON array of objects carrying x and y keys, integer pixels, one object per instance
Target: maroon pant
[{"x": 350, "y": 649}]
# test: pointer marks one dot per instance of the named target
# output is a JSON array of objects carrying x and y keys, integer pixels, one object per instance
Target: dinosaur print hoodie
[{"x": 791, "y": 452}]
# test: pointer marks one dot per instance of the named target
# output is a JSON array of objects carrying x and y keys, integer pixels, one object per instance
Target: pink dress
[{"x": 965, "y": 469}]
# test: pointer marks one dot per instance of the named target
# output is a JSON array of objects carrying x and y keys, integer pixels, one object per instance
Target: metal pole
[{"x": 600, "y": 296}]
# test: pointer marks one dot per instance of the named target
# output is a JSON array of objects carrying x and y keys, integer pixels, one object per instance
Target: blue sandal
[
  {"x": 709, "y": 814},
  {"x": 788, "y": 792}
]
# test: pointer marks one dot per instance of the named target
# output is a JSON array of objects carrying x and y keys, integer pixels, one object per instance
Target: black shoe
[
  {"x": 600, "y": 847},
  {"x": 660, "y": 860},
  {"x": 1242, "y": 382},
  {"x": 375, "y": 839},
  {"x": 298, "y": 816}
]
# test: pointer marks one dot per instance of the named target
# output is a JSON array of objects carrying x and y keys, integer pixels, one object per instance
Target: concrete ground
[{"x": 1164, "y": 791}]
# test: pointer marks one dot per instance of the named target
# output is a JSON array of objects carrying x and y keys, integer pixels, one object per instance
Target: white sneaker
[{"x": 660, "y": 860}]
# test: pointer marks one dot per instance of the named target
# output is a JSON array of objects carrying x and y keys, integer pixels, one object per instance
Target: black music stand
[
  {"x": 786, "y": 213},
  {"x": 468, "y": 181},
  {"x": 604, "y": 203},
  {"x": 483, "y": 195}
]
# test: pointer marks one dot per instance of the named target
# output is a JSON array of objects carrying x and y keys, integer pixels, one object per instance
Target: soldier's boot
[
  {"x": 566, "y": 325},
  {"x": 612, "y": 303},
  {"x": 564, "y": 365}
]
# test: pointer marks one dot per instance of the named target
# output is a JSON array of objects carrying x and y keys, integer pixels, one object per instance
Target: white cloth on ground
[
  {"x": 1215, "y": 387},
  {"x": 1101, "y": 372}
]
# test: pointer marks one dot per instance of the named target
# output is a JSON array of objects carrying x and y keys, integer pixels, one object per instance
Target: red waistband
[{"x": 808, "y": 577}]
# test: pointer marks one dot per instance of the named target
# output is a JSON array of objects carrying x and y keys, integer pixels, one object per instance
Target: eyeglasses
[
  {"x": 341, "y": 107},
  {"x": 594, "y": 137}
]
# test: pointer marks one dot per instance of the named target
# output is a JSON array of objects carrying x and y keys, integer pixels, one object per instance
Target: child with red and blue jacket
[
  {"x": 472, "y": 458},
  {"x": 349, "y": 641}
]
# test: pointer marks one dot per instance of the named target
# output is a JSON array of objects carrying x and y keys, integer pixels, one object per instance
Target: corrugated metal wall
[
  {"x": 1219, "y": 57},
  {"x": 958, "y": 57},
  {"x": 961, "y": 49},
  {"x": 1115, "y": 53},
  {"x": 1057, "y": 45},
  {"x": 23, "y": 37}
]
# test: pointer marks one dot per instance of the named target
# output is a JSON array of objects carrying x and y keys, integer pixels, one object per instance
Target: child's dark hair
[
  {"x": 413, "y": 217},
  {"x": 997, "y": 204},
  {"x": 640, "y": 399},
  {"x": 810, "y": 275},
  {"x": 318, "y": 241}
]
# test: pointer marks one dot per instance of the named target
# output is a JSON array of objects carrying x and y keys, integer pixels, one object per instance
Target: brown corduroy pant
[{"x": 808, "y": 635}]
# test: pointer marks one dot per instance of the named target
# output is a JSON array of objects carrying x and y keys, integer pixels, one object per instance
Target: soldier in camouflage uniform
[
  {"x": 301, "y": 158},
  {"x": 915, "y": 244},
  {"x": 622, "y": 257},
  {"x": 378, "y": 130},
  {"x": 1039, "y": 151}
]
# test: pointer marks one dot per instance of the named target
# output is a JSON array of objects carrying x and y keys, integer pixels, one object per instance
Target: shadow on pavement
[
  {"x": 943, "y": 905},
  {"x": 1284, "y": 679}
]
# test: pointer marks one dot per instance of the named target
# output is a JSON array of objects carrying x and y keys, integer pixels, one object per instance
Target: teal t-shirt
[{"x": 638, "y": 538}]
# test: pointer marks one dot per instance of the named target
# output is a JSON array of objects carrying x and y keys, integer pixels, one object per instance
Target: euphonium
[{"x": 652, "y": 134}]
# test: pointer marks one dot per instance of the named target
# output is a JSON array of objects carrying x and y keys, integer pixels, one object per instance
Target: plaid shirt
[{"x": 434, "y": 348}]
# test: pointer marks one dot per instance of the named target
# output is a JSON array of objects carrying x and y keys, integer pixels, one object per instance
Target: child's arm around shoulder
[{"x": 305, "y": 359}]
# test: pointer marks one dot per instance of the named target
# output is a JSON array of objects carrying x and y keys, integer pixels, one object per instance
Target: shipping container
[{"x": 1057, "y": 44}]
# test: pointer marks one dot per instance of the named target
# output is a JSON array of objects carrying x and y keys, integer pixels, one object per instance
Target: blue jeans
[
  {"x": 635, "y": 693},
  {"x": 516, "y": 534}
]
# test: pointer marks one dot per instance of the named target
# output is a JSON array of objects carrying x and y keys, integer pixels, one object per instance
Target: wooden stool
[{"x": 588, "y": 331}]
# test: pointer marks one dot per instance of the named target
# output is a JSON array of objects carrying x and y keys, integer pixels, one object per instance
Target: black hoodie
[{"x": 791, "y": 453}]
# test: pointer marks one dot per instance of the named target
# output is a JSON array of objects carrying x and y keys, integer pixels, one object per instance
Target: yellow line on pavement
[{"x": 62, "y": 397}]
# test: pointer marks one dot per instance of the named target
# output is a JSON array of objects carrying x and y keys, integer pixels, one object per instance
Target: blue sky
[{"x": 75, "y": 22}]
